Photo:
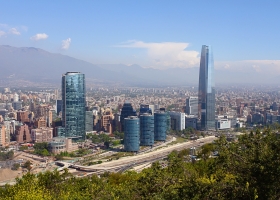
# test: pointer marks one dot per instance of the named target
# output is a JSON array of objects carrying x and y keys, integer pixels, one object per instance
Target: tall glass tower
[
  {"x": 146, "y": 129},
  {"x": 127, "y": 110},
  {"x": 73, "y": 105},
  {"x": 131, "y": 133},
  {"x": 206, "y": 91},
  {"x": 161, "y": 125}
]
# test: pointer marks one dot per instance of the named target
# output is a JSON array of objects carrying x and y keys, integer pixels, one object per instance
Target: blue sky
[{"x": 151, "y": 33}]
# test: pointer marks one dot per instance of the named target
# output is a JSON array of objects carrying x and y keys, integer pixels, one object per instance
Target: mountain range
[
  {"x": 31, "y": 66},
  {"x": 36, "y": 65}
]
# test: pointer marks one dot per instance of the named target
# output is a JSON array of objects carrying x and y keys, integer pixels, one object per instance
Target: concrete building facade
[
  {"x": 42, "y": 134},
  {"x": 22, "y": 133}
]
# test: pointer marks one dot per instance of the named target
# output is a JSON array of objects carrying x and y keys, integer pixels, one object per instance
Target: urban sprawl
[{"x": 97, "y": 130}]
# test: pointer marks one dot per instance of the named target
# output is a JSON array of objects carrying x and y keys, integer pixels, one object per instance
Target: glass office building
[
  {"x": 146, "y": 129},
  {"x": 191, "y": 106},
  {"x": 161, "y": 125},
  {"x": 206, "y": 91},
  {"x": 127, "y": 110},
  {"x": 73, "y": 105},
  {"x": 131, "y": 133}
]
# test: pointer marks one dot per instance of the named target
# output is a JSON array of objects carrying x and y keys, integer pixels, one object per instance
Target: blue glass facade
[
  {"x": 160, "y": 126},
  {"x": 58, "y": 106},
  {"x": 146, "y": 130},
  {"x": 17, "y": 105},
  {"x": 127, "y": 110},
  {"x": 145, "y": 110},
  {"x": 73, "y": 104},
  {"x": 131, "y": 133},
  {"x": 168, "y": 123},
  {"x": 60, "y": 131},
  {"x": 206, "y": 91}
]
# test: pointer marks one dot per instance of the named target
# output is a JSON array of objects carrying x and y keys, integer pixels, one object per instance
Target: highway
[{"x": 128, "y": 162}]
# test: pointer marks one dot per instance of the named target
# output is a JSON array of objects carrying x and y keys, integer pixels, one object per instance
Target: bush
[
  {"x": 6, "y": 156},
  {"x": 22, "y": 148},
  {"x": 15, "y": 166}
]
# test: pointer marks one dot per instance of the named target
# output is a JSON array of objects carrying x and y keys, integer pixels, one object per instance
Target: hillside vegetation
[{"x": 247, "y": 169}]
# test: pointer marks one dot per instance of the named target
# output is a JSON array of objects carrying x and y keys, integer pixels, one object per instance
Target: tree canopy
[{"x": 246, "y": 169}]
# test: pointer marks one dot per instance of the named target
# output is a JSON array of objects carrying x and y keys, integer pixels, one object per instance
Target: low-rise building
[
  {"x": 223, "y": 124},
  {"x": 62, "y": 144}
]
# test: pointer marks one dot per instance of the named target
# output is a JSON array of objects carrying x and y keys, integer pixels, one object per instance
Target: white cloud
[
  {"x": 39, "y": 36},
  {"x": 166, "y": 54},
  {"x": 14, "y": 31},
  {"x": 6, "y": 30},
  {"x": 2, "y": 33},
  {"x": 66, "y": 43},
  {"x": 266, "y": 67}
]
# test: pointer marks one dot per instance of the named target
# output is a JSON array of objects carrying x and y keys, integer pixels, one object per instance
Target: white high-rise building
[
  {"x": 192, "y": 106},
  {"x": 177, "y": 120},
  {"x": 16, "y": 97}
]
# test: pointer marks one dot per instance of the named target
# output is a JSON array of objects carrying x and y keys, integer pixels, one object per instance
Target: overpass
[{"x": 127, "y": 162}]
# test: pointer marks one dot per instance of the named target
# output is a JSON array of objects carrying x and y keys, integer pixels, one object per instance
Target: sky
[{"x": 244, "y": 34}]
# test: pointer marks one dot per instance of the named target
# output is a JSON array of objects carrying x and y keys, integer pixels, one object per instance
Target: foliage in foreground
[{"x": 247, "y": 169}]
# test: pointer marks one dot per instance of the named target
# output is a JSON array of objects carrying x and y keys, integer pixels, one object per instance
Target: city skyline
[
  {"x": 112, "y": 33},
  {"x": 138, "y": 113}
]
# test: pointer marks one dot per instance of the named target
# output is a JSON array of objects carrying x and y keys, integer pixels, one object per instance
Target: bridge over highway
[{"x": 127, "y": 162}]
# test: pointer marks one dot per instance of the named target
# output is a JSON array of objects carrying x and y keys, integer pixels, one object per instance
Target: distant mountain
[
  {"x": 31, "y": 66},
  {"x": 36, "y": 65}
]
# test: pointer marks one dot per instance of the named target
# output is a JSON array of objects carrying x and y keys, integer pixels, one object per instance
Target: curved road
[{"x": 148, "y": 157}]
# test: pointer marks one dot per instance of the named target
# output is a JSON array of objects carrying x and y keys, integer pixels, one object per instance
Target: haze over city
[
  {"x": 161, "y": 35},
  {"x": 121, "y": 99}
]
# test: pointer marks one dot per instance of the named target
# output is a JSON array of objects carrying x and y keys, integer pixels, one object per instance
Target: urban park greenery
[{"x": 246, "y": 169}]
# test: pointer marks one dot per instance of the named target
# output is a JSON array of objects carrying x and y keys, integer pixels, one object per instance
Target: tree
[
  {"x": 119, "y": 135},
  {"x": 41, "y": 148},
  {"x": 27, "y": 165},
  {"x": 206, "y": 150},
  {"x": 15, "y": 166},
  {"x": 6, "y": 155},
  {"x": 246, "y": 169},
  {"x": 45, "y": 152}
]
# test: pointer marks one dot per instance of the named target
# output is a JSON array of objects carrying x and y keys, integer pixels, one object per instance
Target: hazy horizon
[{"x": 154, "y": 35}]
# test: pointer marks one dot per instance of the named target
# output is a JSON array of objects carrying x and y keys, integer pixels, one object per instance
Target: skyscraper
[
  {"x": 58, "y": 106},
  {"x": 127, "y": 110},
  {"x": 146, "y": 129},
  {"x": 131, "y": 133},
  {"x": 206, "y": 91},
  {"x": 161, "y": 125},
  {"x": 73, "y": 104}
]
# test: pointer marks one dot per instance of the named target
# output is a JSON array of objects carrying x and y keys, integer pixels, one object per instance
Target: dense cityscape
[
  {"x": 113, "y": 130},
  {"x": 139, "y": 100},
  {"x": 96, "y": 126}
]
